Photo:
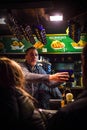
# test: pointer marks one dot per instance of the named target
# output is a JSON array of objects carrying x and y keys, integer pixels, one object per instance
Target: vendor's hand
[{"x": 59, "y": 77}]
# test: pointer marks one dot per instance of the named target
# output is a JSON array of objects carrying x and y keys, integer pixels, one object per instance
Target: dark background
[{"x": 37, "y": 12}]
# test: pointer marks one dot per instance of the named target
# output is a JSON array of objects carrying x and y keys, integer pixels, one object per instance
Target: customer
[
  {"x": 74, "y": 115},
  {"x": 18, "y": 109},
  {"x": 36, "y": 83}
]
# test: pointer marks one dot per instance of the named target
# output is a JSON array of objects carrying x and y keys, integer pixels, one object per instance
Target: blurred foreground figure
[
  {"x": 18, "y": 109},
  {"x": 73, "y": 115}
]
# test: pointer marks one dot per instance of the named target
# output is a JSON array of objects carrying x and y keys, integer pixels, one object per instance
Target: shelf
[
  {"x": 54, "y": 58},
  {"x": 60, "y": 53},
  {"x": 13, "y": 55}
]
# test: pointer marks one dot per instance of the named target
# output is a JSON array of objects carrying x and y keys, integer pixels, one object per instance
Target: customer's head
[
  {"x": 10, "y": 73},
  {"x": 31, "y": 56},
  {"x": 84, "y": 66}
]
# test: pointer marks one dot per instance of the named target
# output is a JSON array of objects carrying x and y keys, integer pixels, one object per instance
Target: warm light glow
[
  {"x": 56, "y": 18},
  {"x": 2, "y": 21}
]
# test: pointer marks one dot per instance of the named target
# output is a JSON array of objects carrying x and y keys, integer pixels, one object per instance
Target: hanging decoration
[
  {"x": 74, "y": 30},
  {"x": 27, "y": 32},
  {"x": 40, "y": 33},
  {"x": 14, "y": 26}
]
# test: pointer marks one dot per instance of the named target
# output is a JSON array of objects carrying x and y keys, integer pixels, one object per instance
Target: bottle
[
  {"x": 67, "y": 90},
  {"x": 62, "y": 103},
  {"x": 69, "y": 98}
]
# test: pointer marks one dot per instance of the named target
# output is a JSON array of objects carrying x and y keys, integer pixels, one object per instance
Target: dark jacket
[
  {"x": 72, "y": 116},
  {"x": 17, "y": 111}
]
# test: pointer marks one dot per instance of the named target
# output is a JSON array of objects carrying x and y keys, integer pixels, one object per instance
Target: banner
[{"x": 56, "y": 44}]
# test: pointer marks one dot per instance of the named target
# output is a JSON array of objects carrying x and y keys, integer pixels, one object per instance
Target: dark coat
[
  {"x": 17, "y": 111},
  {"x": 72, "y": 116}
]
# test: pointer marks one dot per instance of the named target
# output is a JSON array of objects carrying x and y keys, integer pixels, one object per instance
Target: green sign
[
  {"x": 56, "y": 43},
  {"x": 61, "y": 43},
  {"x": 13, "y": 45}
]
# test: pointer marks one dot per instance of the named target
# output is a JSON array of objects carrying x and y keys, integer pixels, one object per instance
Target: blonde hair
[{"x": 11, "y": 75}]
